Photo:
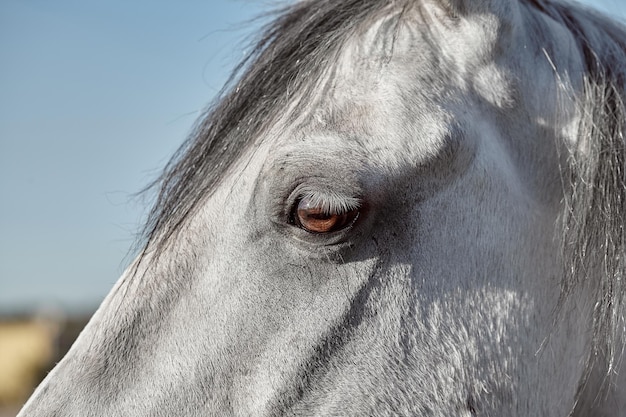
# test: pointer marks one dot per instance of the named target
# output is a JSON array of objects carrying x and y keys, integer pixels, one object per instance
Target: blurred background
[{"x": 95, "y": 96}]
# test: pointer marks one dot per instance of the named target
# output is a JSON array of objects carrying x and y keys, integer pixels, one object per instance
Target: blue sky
[{"x": 95, "y": 96}]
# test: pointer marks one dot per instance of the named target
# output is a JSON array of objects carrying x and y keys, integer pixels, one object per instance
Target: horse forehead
[
  {"x": 379, "y": 131},
  {"x": 374, "y": 110},
  {"x": 394, "y": 92},
  {"x": 399, "y": 93}
]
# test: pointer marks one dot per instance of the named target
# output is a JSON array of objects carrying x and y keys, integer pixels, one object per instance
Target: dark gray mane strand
[
  {"x": 291, "y": 55},
  {"x": 595, "y": 206}
]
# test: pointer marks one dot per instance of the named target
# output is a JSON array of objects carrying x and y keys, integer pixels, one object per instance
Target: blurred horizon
[{"x": 95, "y": 97}]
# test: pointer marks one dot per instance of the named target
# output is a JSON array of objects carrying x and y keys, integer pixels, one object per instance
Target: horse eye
[{"x": 315, "y": 219}]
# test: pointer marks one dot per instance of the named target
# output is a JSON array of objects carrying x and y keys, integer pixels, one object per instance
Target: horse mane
[
  {"x": 296, "y": 49},
  {"x": 594, "y": 216}
]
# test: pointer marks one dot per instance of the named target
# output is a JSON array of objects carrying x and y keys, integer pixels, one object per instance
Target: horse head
[{"x": 408, "y": 207}]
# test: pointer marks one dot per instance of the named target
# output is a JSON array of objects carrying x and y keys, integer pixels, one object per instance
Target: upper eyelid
[{"x": 329, "y": 201}]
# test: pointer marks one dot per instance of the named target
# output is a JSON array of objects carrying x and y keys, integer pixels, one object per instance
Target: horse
[{"x": 396, "y": 208}]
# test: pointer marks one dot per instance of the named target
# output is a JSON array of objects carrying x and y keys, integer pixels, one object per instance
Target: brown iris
[{"x": 316, "y": 219}]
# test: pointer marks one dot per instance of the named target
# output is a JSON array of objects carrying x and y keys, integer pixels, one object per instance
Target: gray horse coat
[{"x": 402, "y": 207}]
